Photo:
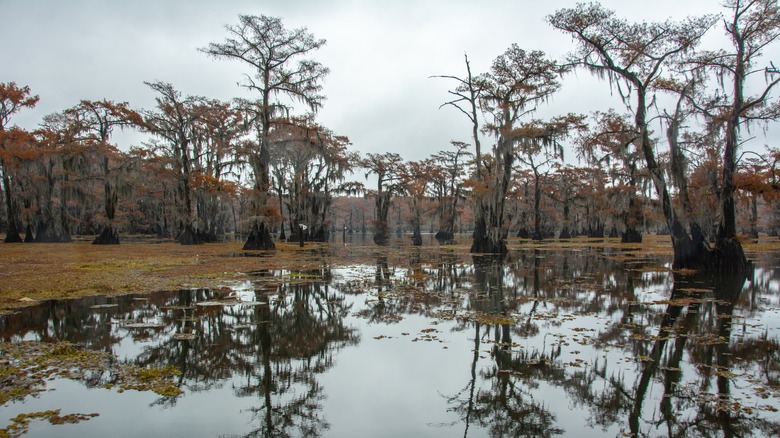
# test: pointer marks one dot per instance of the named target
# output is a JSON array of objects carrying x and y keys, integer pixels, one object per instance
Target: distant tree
[
  {"x": 310, "y": 164},
  {"x": 538, "y": 148},
  {"x": 13, "y": 99},
  {"x": 753, "y": 184},
  {"x": 92, "y": 123},
  {"x": 567, "y": 182},
  {"x": 387, "y": 169},
  {"x": 58, "y": 161},
  {"x": 173, "y": 123},
  {"x": 608, "y": 143},
  {"x": 448, "y": 179},
  {"x": 218, "y": 133},
  {"x": 274, "y": 54},
  {"x": 415, "y": 181}
]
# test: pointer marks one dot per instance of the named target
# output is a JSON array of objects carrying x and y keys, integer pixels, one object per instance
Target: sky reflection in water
[{"x": 590, "y": 342}]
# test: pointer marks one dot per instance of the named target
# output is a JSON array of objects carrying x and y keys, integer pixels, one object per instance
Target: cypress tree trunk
[
  {"x": 259, "y": 238},
  {"x": 489, "y": 219},
  {"x": 12, "y": 235},
  {"x": 109, "y": 235}
]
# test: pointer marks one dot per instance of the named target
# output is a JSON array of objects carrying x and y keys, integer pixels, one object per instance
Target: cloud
[{"x": 381, "y": 55}]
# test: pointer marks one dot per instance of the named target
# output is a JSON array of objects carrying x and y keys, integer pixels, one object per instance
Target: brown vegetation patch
[
  {"x": 30, "y": 273},
  {"x": 34, "y": 272}
]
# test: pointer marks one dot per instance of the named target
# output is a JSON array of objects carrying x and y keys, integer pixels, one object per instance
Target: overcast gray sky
[{"x": 381, "y": 55}]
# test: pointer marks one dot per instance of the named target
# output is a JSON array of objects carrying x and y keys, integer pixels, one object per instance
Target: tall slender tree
[
  {"x": 387, "y": 169},
  {"x": 452, "y": 167},
  {"x": 466, "y": 98},
  {"x": 280, "y": 69},
  {"x": 517, "y": 83},
  {"x": 173, "y": 123}
]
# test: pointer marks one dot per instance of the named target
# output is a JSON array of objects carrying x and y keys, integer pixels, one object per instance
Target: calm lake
[{"x": 423, "y": 342}]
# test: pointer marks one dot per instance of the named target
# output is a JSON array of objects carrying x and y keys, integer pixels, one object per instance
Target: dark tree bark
[
  {"x": 259, "y": 238},
  {"x": 12, "y": 234},
  {"x": 109, "y": 235},
  {"x": 633, "y": 217},
  {"x": 416, "y": 234}
]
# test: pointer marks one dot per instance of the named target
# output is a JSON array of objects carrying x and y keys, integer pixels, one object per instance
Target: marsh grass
[{"x": 30, "y": 273}]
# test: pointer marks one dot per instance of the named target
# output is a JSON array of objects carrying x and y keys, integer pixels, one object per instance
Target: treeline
[{"x": 672, "y": 160}]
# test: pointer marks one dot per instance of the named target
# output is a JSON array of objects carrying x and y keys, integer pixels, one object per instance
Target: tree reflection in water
[
  {"x": 686, "y": 361},
  {"x": 507, "y": 406},
  {"x": 272, "y": 347},
  {"x": 614, "y": 336}
]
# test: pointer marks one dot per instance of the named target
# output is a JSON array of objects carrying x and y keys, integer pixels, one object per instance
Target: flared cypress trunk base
[
  {"x": 109, "y": 236},
  {"x": 321, "y": 234},
  {"x": 45, "y": 234},
  {"x": 691, "y": 250},
  {"x": 485, "y": 243},
  {"x": 444, "y": 236},
  {"x": 259, "y": 239},
  {"x": 29, "y": 237},
  {"x": 631, "y": 236},
  {"x": 12, "y": 236},
  {"x": 416, "y": 238},
  {"x": 189, "y": 236},
  {"x": 729, "y": 257},
  {"x": 381, "y": 238},
  {"x": 597, "y": 232}
]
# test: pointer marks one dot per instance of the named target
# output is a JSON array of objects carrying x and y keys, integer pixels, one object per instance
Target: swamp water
[{"x": 420, "y": 342}]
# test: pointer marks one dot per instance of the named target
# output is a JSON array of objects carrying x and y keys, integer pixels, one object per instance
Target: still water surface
[{"x": 430, "y": 343}]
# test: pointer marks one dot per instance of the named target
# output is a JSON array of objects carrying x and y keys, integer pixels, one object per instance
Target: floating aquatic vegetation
[{"x": 21, "y": 423}]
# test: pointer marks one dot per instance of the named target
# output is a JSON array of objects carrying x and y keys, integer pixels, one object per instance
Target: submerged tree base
[
  {"x": 381, "y": 238},
  {"x": 12, "y": 237},
  {"x": 109, "y": 236},
  {"x": 631, "y": 236},
  {"x": 729, "y": 257},
  {"x": 444, "y": 236},
  {"x": 259, "y": 239},
  {"x": 189, "y": 236},
  {"x": 486, "y": 245}
]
